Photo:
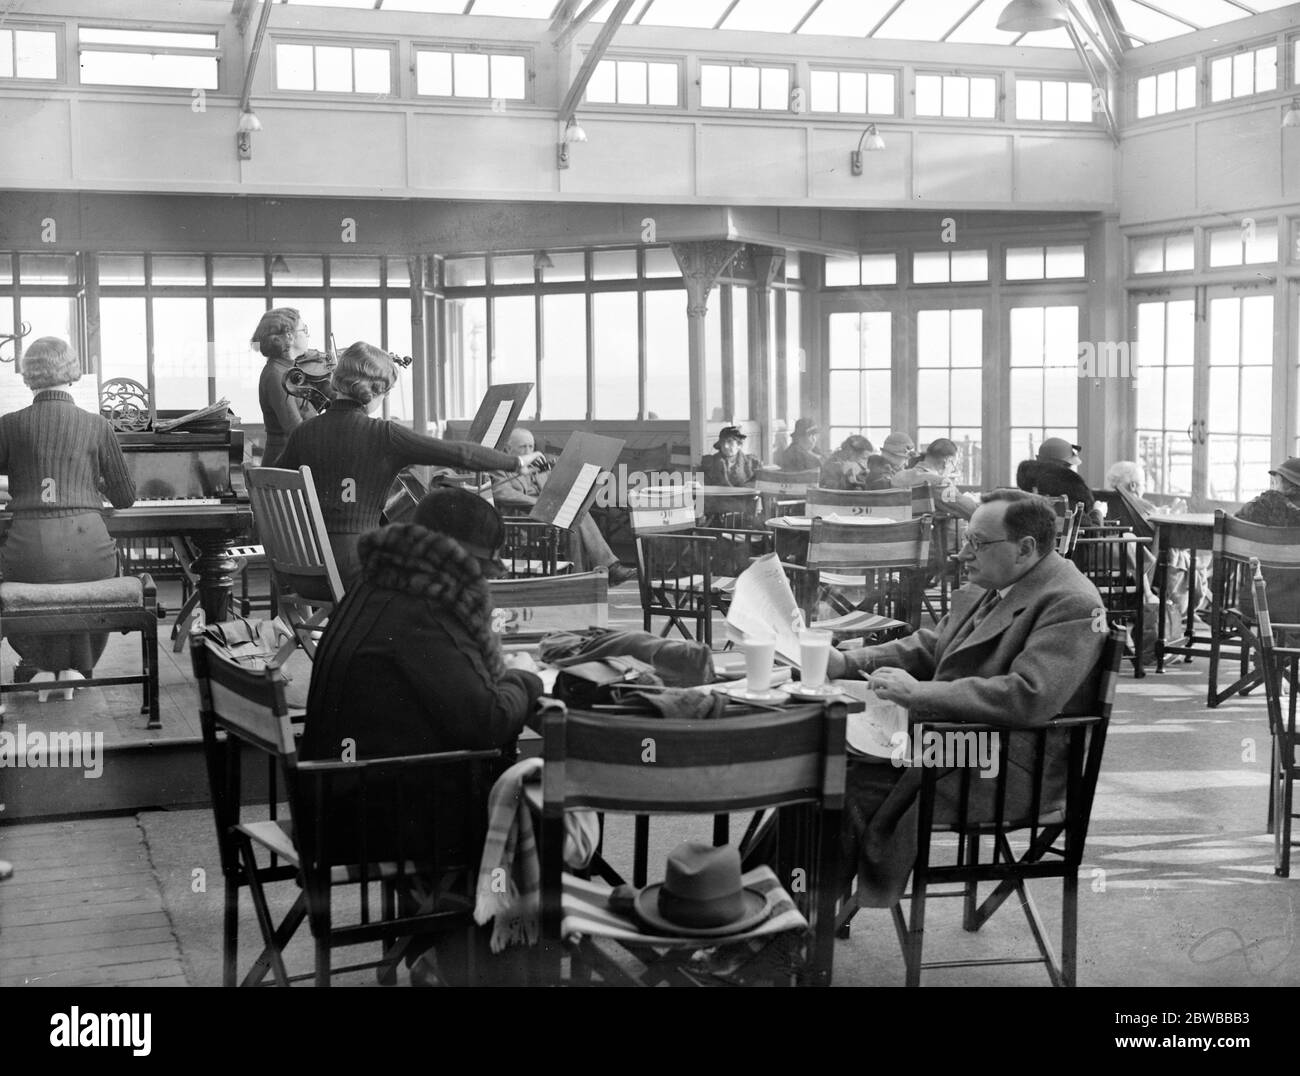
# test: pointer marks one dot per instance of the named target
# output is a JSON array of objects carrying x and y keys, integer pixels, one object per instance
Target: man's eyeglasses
[{"x": 983, "y": 543}]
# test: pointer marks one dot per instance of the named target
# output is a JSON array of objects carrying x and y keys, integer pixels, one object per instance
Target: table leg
[
  {"x": 1162, "y": 590},
  {"x": 216, "y": 582},
  {"x": 1193, "y": 600}
]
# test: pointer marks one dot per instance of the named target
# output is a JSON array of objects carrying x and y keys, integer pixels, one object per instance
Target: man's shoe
[{"x": 620, "y": 574}]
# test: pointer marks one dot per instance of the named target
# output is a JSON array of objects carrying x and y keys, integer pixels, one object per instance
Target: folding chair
[
  {"x": 292, "y": 529},
  {"x": 1283, "y": 766},
  {"x": 1116, "y": 565},
  {"x": 1048, "y": 817},
  {"x": 1232, "y": 616},
  {"x": 349, "y": 824},
  {"x": 524, "y": 610},
  {"x": 674, "y": 563},
  {"x": 887, "y": 561},
  {"x": 783, "y": 492},
  {"x": 531, "y": 548},
  {"x": 785, "y": 758},
  {"x": 898, "y": 505},
  {"x": 1069, "y": 518}
]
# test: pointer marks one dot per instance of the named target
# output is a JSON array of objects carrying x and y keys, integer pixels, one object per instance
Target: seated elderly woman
[
  {"x": 61, "y": 462},
  {"x": 409, "y": 662},
  {"x": 354, "y": 460}
]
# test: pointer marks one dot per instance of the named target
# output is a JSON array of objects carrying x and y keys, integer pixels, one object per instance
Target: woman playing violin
[
  {"x": 354, "y": 460},
  {"x": 282, "y": 336}
]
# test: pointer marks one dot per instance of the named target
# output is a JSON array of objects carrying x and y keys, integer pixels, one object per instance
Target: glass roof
[{"x": 971, "y": 22}]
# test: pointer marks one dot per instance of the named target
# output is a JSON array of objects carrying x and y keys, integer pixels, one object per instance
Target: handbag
[
  {"x": 591, "y": 682},
  {"x": 245, "y": 641}
]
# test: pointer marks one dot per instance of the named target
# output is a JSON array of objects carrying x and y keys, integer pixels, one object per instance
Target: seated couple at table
[
  {"x": 1019, "y": 646},
  {"x": 409, "y": 662}
]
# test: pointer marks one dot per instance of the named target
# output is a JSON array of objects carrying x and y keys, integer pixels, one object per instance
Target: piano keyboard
[{"x": 172, "y": 502}]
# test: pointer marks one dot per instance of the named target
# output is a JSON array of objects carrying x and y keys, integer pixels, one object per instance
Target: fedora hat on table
[{"x": 701, "y": 894}]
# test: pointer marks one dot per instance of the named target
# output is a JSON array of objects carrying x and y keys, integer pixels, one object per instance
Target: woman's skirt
[{"x": 59, "y": 549}]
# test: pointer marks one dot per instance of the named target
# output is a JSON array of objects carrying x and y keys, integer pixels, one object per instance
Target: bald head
[{"x": 520, "y": 442}]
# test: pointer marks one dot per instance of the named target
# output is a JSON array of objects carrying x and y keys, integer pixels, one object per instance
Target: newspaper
[{"x": 763, "y": 604}]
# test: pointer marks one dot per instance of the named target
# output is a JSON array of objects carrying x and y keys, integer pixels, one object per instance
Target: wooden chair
[
  {"x": 125, "y": 604},
  {"x": 1069, "y": 519},
  {"x": 1275, "y": 663},
  {"x": 1232, "y": 616},
  {"x": 674, "y": 564},
  {"x": 531, "y": 548},
  {"x": 888, "y": 560},
  {"x": 896, "y": 504},
  {"x": 791, "y": 758},
  {"x": 1048, "y": 819},
  {"x": 524, "y": 610},
  {"x": 347, "y": 825},
  {"x": 783, "y": 492},
  {"x": 1116, "y": 564},
  {"x": 292, "y": 529}
]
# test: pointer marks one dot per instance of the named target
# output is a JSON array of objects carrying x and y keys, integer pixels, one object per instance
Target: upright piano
[{"x": 189, "y": 483}]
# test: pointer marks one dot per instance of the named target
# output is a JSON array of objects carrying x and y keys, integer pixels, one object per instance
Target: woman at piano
[
  {"x": 282, "y": 336},
  {"x": 354, "y": 459},
  {"x": 62, "y": 463}
]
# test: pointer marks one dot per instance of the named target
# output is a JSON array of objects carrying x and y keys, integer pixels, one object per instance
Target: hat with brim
[
  {"x": 728, "y": 433},
  {"x": 1290, "y": 470},
  {"x": 701, "y": 894},
  {"x": 804, "y": 427},
  {"x": 1059, "y": 450},
  {"x": 897, "y": 446},
  {"x": 483, "y": 553}
]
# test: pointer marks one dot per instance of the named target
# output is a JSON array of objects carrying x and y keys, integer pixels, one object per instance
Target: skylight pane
[
  {"x": 372, "y": 71},
  {"x": 983, "y": 98},
  {"x": 433, "y": 73},
  {"x": 1221, "y": 78},
  {"x": 775, "y": 88},
  {"x": 929, "y": 100},
  {"x": 926, "y": 21},
  {"x": 1048, "y": 39},
  {"x": 1028, "y": 100},
  {"x": 632, "y": 89},
  {"x": 1166, "y": 92},
  {"x": 981, "y": 28},
  {"x": 509, "y": 77},
  {"x": 1148, "y": 24},
  {"x": 1266, "y": 70},
  {"x": 853, "y": 91},
  {"x": 715, "y": 83},
  {"x": 36, "y": 55},
  {"x": 515, "y": 9},
  {"x": 600, "y": 87},
  {"x": 825, "y": 91},
  {"x": 663, "y": 84},
  {"x": 1243, "y": 73},
  {"x": 471, "y": 74},
  {"x": 744, "y": 87},
  {"x": 1054, "y": 101},
  {"x": 880, "y": 93},
  {"x": 778, "y": 18},
  {"x": 1209, "y": 12},
  {"x": 1080, "y": 106},
  {"x": 697, "y": 13},
  {"x": 293, "y": 67},
  {"x": 333, "y": 69},
  {"x": 1146, "y": 97},
  {"x": 847, "y": 18},
  {"x": 1186, "y": 87},
  {"x": 432, "y": 7},
  {"x": 336, "y": 3},
  {"x": 956, "y": 95}
]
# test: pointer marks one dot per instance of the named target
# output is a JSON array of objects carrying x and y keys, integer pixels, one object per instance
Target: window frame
[
  {"x": 999, "y": 95},
  {"x": 1209, "y": 60},
  {"x": 470, "y": 48},
  {"x": 352, "y": 44},
  {"x": 791, "y": 70},
  {"x": 679, "y": 62},
  {"x": 1200, "y": 90},
  {"x": 839, "y": 70},
  {"x": 1018, "y": 77},
  {"x": 60, "y": 56},
  {"x": 216, "y": 52}
]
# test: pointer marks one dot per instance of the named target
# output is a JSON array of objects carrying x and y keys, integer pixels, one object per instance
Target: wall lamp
[
  {"x": 1291, "y": 117},
  {"x": 573, "y": 132},
  {"x": 248, "y": 123},
  {"x": 870, "y": 141}
]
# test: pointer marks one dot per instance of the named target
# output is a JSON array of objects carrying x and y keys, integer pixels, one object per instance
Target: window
[
  {"x": 957, "y": 96},
  {"x": 1166, "y": 342},
  {"x": 29, "y": 54},
  {"x": 1045, "y": 263},
  {"x": 666, "y": 328},
  {"x": 1249, "y": 244},
  {"x": 1044, "y": 400},
  {"x": 867, "y": 269},
  {"x": 333, "y": 69},
  {"x": 494, "y": 76},
  {"x": 743, "y": 86},
  {"x": 1162, "y": 253},
  {"x": 861, "y": 350},
  {"x": 1239, "y": 396},
  {"x": 562, "y": 387},
  {"x": 949, "y": 266},
  {"x": 949, "y": 377},
  {"x": 861, "y": 92},
  {"x": 148, "y": 58},
  {"x": 634, "y": 82},
  {"x": 1051, "y": 100},
  {"x": 1244, "y": 73},
  {"x": 1168, "y": 91}
]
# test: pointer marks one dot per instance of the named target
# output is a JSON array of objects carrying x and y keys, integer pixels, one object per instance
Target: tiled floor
[{"x": 1177, "y": 888}]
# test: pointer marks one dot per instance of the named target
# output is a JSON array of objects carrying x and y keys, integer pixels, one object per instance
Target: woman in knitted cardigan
[{"x": 61, "y": 462}]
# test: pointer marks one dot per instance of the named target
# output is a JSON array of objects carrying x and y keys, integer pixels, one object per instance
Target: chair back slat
[
  {"x": 793, "y": 484},
  {"x": 289, "y": 520},
  {"x": 648, "y": 765},
  {"x": 247, "y": 702},
  {"x": 1273, "y": 547},
  {"x": 533, "y": 607},
  {"x": 882, "y": 545},
  {"x": 663, "y": 509},
  {"x": 895, "y": 504}
]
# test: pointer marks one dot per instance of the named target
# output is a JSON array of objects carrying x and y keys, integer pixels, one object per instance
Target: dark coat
[
  {"x": 740, "y": 470},
  {"x": 1053, "y": 479}
]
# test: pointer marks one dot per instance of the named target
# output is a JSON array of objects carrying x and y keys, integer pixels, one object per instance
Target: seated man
[
  {"x": 409, "y": 663},
  {"x": 1055, "y": 474},
  {"x": 519, "y": 492},
  {"x": 1019, "y": 646}
]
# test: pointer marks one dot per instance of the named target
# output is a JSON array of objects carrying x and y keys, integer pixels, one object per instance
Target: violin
[{"x": 309, "y": 378}]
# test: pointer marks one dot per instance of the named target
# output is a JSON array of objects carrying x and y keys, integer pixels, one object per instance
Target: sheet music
[
  {"x": 15, "y": 395},
  {"x": 577, "y": 493},
  {"x": 764, "y": 604},
  {"x": 498, "y": 423}
]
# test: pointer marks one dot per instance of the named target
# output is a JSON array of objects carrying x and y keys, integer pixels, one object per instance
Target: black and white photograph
[{"x": 593, "y": 493}]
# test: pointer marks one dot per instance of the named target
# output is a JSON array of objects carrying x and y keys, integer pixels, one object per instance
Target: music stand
[
  {"x": 497, "y": 414},
  {"x": 572, "y": 483}
]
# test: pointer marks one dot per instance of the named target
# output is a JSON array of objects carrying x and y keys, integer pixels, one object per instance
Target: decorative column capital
[{"x": 702, "y": 262}]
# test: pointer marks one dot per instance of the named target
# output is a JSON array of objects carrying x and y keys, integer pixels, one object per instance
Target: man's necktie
[{"x": 987, "y": 604}]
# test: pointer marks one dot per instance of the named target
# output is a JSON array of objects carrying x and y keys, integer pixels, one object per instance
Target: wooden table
[{"x": 1192, "y": 531}]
